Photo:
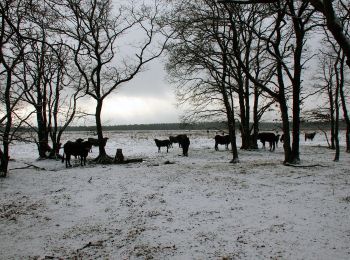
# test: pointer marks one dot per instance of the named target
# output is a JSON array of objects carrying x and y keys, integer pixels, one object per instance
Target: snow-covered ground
[{"x": 195, "y": 207}]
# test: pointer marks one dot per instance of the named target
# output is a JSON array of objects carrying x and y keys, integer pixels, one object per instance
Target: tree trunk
[
  {"x": 336, "y": 125},
  {"x": 334, "y": 26},
  {"x": 345, "y": 109},
  {"x": 254, "y": 144},
  {"x": 288, "y": 158},
  {"x": 102, "y": 158},
  {"x": 232, "y": 133},
  {"x": 339, "y": 82},
  {"x": 7, "y": 129},
  {"x": 102, "y": 151},
  {"x": 43, "y": 134},
  {"x": 331, "y": 113}
]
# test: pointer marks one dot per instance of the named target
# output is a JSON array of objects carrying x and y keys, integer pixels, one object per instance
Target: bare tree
[
  {"x": 199, "y": 58},
  {"x": 279, "y": 44},
  {"x": 326, "y": 8},
  {"x": 65, "y": 89},
  {"x": 94, "y": 34},
  {"x": 12, "y": 49},
  {"x": 208, "y": 75}
]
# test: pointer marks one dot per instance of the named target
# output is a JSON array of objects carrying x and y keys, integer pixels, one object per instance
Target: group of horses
[
  {"x": 264, "y": 137},
  {"x": 182, "y": 140},
  {"x": 81, "y": 148}
]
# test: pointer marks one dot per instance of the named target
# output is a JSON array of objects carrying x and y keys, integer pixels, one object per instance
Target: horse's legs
[
  {"x": 68, "y": 161},
  {"x": 216, "y": 146}
]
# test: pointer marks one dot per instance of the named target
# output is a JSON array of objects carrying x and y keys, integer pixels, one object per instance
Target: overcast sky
[{"x": 146, "y": 99}]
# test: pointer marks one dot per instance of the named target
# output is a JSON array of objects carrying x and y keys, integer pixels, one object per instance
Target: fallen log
[
  {"x": 120, "y": 159},
  {"x": 135, "y": 160}
]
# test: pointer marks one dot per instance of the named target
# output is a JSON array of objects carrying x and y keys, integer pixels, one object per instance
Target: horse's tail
[{"x": 63, "y": 158}]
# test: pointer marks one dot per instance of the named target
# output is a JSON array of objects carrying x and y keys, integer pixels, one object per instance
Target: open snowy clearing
[{"x": 195, "y": 207}]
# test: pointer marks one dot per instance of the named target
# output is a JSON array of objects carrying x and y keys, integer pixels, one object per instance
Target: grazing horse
[
  {"x": 222, "y": 139},
  {"x": 267, "y": 137},
  {"x": 177, "y": 139},
  {"x": 160, "y": 143},
  {"x": 310, "y": 136}
]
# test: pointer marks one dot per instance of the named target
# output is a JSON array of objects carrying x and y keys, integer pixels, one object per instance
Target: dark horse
[
  {"x": 77, "y": 148},
  {"x": 185, "y": 143},
  {"x": 222, "y": 139},
  {"x": 310, "y": 136},
  {"x": 160, "y": 143},
  {"x": 268, "y": 137},
  {"x": 177, "y": 139}
]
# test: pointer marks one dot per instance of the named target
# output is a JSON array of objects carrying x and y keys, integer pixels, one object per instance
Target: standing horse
[
  {"x": 185, "y": 143},
  {"x": 177, "y": 139},
  {"x": 222, "y": 139},
  {"x": 310, "y": 136},
  {"x": 164, "y": 143},
  {"x": 268, "y": 137}
]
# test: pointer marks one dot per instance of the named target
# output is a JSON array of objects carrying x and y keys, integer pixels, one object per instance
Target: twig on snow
[
  {"x": 29, "y": 166},
  {"x": 305, "y": 166}
]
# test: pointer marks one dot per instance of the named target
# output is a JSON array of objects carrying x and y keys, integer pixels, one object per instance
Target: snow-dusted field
[{"x": 195, "y": 207}]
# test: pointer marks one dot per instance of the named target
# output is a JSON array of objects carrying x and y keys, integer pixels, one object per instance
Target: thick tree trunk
[
  {"x": 102, "y": 158},
  {"x": 296, "y": 122},
  {"x": 102, "y": 151},
  {"x": 232, "y": 133},
  {"x": 253, "y": 142},
  {"x": 334, "y": 26},
  {"x": 43, "y": 134},
  {"x": 299, "y": 31},
  {"x": 288, "y": 158},
  {"x": 4, "y": 161}
]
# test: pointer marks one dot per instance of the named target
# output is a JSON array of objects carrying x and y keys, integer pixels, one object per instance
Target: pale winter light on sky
[
  {"x": 149, "y": 98},
  {"x": 146, "y": 99}
]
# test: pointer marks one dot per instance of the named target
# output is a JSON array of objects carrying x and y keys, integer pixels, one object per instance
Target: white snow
[{"x": 196, "y": 207}]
